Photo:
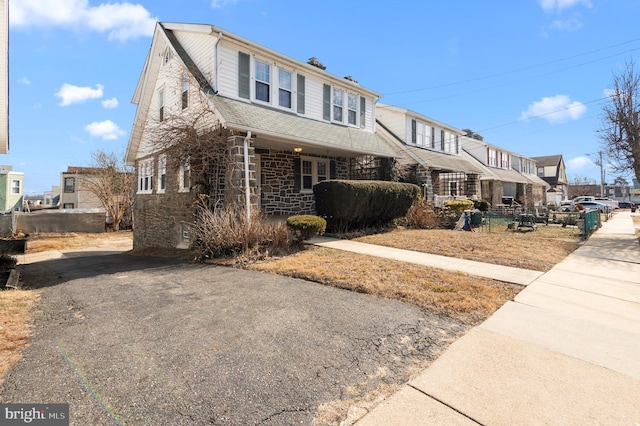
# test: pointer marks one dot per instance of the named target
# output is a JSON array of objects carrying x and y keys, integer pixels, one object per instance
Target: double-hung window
[
  {"x": 352, "y": 109},
  {"x": 504, "y": 160},
  {"x": 285, "y": 88},
  {"x": 419, "y": 134},
  {"x": 15, "y": 186},
  {"x": 69, "y": 184},
  {"x": 263, "y": 81},
  {"x": 338, "y": 103},
  {"x": 162, "y": 173},
  {"x": 161, "y": 105},
  {"x": 185, "y": 91},
  {"x": 185, "y": 176},
  {"x": 313, "y": 170},
  {"x": 145, "y": 176},
  {"x": 493, "y": 159}
]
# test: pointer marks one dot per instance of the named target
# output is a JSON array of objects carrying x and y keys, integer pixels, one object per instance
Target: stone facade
[
  {"x": 160, "y": 219},
  {"x": 278, "y": 193}
]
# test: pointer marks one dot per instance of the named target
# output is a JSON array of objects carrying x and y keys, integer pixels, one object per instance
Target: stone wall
[{"x": 278, "y": 194}]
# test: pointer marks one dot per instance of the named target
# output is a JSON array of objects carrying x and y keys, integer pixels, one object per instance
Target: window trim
[
  {"x": 185, "y": 167},
  {"x": 161, "y": 104},
  {"x": 162, "y": 174},
  {"x": 73, "y": 185},
  {"x": 266, "y": 83},
  {"x": 145, "y": 176},
  {"x": 314, "y": 172},
  {"x": 185, "y": 91},
  {"x": 288, "y": 90},
  {"x": 14, "y": 187}
]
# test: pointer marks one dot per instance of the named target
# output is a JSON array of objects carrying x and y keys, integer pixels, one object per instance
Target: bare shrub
[
  {"x": 422, "y": 216},
  {"x": 227, "y": 231}
]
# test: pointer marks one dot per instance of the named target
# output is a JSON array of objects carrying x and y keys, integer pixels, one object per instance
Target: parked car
[
  {"x": 608, "y": 201},
  {"x": 627, "y": 205},
  {"x": 603, "y": 208}
]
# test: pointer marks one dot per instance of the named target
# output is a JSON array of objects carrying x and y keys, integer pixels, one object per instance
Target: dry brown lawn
[
  {"x": 14, "y": 325},
  {"x": 72, "y": 240},
  {"x": 536, "y": 250},
  {"x": 458, "y": 295},
  {"x": 467, "y": 298}
]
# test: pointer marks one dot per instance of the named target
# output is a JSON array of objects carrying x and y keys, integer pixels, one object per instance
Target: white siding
[
  {"x": 475, "y": 148},
  {"x": 394, "y": 121},
  {"x": 4, "y": 82},
  {"x": 201, "y": 49}
]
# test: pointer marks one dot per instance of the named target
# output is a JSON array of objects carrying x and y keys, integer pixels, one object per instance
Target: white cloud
[
  {"x": 551, "y": 6},
  {"x": 217, "y": 4},
  {"x": 569, "y": 25},
  {"x": 120, "y": 21},
  {"x": 71, "y": 94},
  {"x": 556, "y": 109},
  {"x": 24, "y": 80},
  {"x": 578, "y": 163},
  {"x": 107, "y": 130},
  {"x": 110, "y": 103}
]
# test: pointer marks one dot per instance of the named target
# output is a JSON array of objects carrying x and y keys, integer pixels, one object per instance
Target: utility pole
[{"x": 601, "y": 175}]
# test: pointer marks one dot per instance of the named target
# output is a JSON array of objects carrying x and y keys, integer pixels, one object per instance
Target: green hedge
[
  {"x": 306, "y": 226},
  {"x": 359, "y": 204}
]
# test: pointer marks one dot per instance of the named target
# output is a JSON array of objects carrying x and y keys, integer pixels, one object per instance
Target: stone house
[
  {"x": 430, "y": 154},
  {"x": 286, "y": 124}
]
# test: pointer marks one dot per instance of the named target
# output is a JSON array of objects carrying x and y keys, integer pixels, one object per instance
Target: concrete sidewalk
[
  {"x": 480, "y": 269},
  {"x": 565, "y": 351}
]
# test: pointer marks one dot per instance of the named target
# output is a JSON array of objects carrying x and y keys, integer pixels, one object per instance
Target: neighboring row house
[
  {"x": 506, "y": 176},
  {"x": 286, "y": 125},
  {"x": 74, "y": 193}
]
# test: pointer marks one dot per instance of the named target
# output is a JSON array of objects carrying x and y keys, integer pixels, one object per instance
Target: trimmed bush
[
  {"x": 360, "y": 204},
  {"x": 306, "y": 226},
  {"x": 482, "y": 205},
  {"x": 459, "y": 206}
]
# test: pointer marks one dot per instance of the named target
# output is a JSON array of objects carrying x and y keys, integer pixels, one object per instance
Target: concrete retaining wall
[{"x": 68, "y": 220}]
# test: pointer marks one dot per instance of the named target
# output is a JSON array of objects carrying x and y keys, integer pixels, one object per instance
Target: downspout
[
  {"x": 217, "y": 61},
  {"x": 247, "y": 189}
]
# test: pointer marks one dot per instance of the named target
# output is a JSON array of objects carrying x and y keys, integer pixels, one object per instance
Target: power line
[{"x": 517, "y": 70}]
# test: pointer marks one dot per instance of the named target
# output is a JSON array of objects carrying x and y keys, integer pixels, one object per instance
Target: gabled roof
[
  {"x": 244, "y": 116},
  {"x": 548, "y": 160}
]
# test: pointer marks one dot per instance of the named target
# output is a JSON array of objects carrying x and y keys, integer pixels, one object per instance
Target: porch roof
[
  {"x": 285, "y": 127},
  {"x": 444, "y": 162},
  {"x": 537, "y": 181},
  {"x": 503, "y": 175}
]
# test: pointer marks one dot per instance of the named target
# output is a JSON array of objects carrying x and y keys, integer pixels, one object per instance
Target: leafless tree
[
  {"x": 194, "y": 137},
  {"x": 620, "y": 132},
  {"x": 113, "y": 183},
  {"x": 582, "y": 186}
]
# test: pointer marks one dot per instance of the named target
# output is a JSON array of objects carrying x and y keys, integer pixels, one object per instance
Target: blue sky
[{"x": 528, "y": 75}]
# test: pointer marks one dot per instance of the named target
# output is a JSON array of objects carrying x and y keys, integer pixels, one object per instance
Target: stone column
[{"x": 235, "y": 173}]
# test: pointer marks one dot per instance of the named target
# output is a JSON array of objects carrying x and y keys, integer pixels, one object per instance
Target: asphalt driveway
[{"x": 148, "y": 341}]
